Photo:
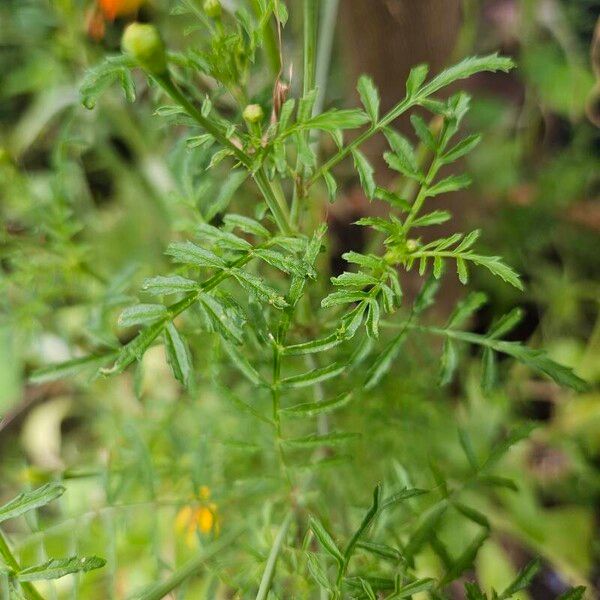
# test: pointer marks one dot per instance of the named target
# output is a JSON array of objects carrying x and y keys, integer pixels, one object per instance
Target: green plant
[{"x": 286, "y": 334}]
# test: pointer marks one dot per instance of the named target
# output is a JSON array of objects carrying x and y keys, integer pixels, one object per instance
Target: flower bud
[
  {"x": 143, "y": 42},
  {"x": 412, "y": 245},
  {"x": 212, "y": 8},
  {"x": 253, "y": 113}
]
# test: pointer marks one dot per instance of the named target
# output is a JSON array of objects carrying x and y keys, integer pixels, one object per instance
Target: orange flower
[
  {"x": 200, "y": 517},
  {"x": 108, "y": 10},
  {"x": 118, "y": 8}
]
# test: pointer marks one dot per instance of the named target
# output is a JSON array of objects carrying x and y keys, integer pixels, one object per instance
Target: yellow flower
[{"x": 199, "y": 517}]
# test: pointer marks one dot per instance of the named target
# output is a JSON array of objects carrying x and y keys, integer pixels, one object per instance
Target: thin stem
[
  {"x": 5, "y": 552},
  {"x": 269, "y": 573},
  {"x": 329, "y": 10},
  {"x": 398, "y": 110},
  {"x": 310, "y": 44},
  {"x": 422, "y": 195},
  {"x": 311, "y": 25}
]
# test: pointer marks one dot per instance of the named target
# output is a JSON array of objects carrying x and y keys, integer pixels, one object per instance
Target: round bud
[
  {"x": 143, "y": 42},
  {"x": 212, "y": 8},
  {"x": 412, "y": 245},
  {"x": 253, "y": 113}
]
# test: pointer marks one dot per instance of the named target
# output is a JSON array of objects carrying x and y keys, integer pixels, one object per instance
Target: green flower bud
[
  {"x": 412, "y": 245},
  {"x": 212, "y": 8},
  {"x": 253, "y": 113},
  {"x": 143, "y": 42}
]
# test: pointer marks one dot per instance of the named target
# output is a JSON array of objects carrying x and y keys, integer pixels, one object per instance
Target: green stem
[
  {"x": 269, "y": 573},
  {"x": 311, "y": 25},
  {"x": 5, "y": 552},
  {"x": 421, "y": 196},
  {"x": 329, "y": 11}
]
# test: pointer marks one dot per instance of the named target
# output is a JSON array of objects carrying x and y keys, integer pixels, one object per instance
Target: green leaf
[
  {"x": 402, "y": 158},
  {"x": 462, "y": 270},
  {"x": 326, "y": 540},
  {"x": 102, "y": 76},
  {"x": 311, "y": 409},
  {"x": 365, "y": 173},
  {"x": 540, "y": 361},
  {"x": 523, "y": 579},
  {"x": 59, "y": 567},
  {"x": 415, "y": 79},
  {"x": 467, "y": 446},
  {"x": 467, "y": 68},
  {"x": 369, "y": 96},
  {"x": 423, "y": 133},
  {"x": 285, "y": 263},
  {"x": 463, "y": 147},
  {"x": 285, "y": 115},
  {"x": 316, "y": 440},
  {"x": 372, "y": 322},
  {"x": 30, "y": 500},
  {"x": 69, "y": 368},
  {"x": 223, "y": 239},
  {"x": 472, "y": 514},
  {"x": 384, "y": 361},
  {"x": 246, "y": 224},
  {"x": 343, "y": 297},
  {"x": 392, "y": 199},
  {"x": 358, "y": 280},
  {"x": 489, "y": 373},
  {"x": 314, "y": 376},
  {"x": 495, "y": 265},
  {"x": 257, "y": 287},
  {"x": 380, "y": 550},
  {"x": 367, "y": 589},
  {"x": 449, "y": 184},
  {"x": 364, "y": 525},
  {"x": 416, "y": 587},
  {"x": 332, "y": 186},
  {"x": 223, "y": 318},
  {"x": 466, "y": 308},
  {"x": 190, "y": 254},
  {"x": 206, "y": 140},
  {"x": 369, "y": 261},
  {"x": 314, "y": 346},
  {"x": 400, "y": 496},
  {"x": 316, "y": 571},
  {"x": 178, "y": 355},
  {"x": 506, "y": 323},
  {"x": 449, "y": 362},
  {"x": 334, "y": 119},
  {"x": 174, "y": 284},
  {"x": 135, "y": 349},
  {"x": 142, "y": 314},
  {"x": 437, "y": 217},
  {"x": 577, "y": 593}
]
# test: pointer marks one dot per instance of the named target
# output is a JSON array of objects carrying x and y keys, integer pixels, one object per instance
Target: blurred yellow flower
[{"x": 201, "y": 516}]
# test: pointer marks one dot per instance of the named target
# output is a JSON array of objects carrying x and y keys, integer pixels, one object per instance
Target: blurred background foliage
[{"x": 90, "y": 198}]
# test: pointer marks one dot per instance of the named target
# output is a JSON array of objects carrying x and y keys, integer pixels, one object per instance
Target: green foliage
[{"x": 280, "y": 370}]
